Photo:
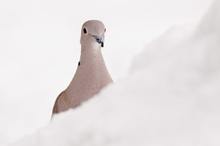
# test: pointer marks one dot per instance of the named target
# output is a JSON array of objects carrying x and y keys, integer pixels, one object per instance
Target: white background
[{"x": 39, "y": 48}]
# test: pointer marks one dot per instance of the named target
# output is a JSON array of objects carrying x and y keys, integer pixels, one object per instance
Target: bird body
[{"x": 91, "y": 75}]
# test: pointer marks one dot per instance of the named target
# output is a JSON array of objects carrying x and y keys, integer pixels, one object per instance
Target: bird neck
[
  {"x": 92, "y": 66},
  {"x": 91, "y": 55},
  {"x": 91, "y": 76}
]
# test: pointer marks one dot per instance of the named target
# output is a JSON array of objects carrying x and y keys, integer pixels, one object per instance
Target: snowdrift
[{"x": 171, "y": 97}]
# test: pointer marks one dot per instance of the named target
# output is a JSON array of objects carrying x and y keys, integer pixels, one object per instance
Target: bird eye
[
  {"x": 105, "y": 30},
  {"x": 84, "y": 30}
]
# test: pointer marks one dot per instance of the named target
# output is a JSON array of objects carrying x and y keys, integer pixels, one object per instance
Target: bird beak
[
  {"x": 102, "y": 44},
  {"x": 99, "y": 40}
]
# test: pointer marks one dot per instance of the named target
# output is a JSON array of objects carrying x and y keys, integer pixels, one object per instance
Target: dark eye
[
  {"x": 84, "y": 30},
  {"x": 105, "y": 30}
]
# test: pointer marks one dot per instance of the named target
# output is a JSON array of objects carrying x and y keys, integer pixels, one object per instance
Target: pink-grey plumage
[{"x": 91, "y": 75}]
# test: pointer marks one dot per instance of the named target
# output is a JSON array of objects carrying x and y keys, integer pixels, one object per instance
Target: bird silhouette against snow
[{"x": 91, "y": 75}]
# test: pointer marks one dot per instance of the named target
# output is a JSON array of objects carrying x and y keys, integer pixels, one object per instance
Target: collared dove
[{"x": 91, "y": 75}]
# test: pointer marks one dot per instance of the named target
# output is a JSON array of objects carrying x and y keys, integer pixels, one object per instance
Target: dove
[{"x": 91, "y": 75}]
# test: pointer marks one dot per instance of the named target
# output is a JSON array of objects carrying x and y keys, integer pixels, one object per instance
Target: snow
[
  {"x": 39, "y": 49},
  {"x": 170, "y": 97}
]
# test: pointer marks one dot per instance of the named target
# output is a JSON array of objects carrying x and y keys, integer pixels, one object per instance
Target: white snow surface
[
  {"x": 40, "y": 49},
  {"x": 169, "y": 98}
]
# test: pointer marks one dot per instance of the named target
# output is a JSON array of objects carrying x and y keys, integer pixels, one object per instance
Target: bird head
[{"x": 93, "y": 34}]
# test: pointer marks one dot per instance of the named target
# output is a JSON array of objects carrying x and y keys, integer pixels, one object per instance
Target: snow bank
[{"x": 171, "y": 97}]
